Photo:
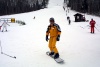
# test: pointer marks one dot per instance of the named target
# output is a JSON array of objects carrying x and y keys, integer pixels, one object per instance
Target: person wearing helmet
[{"x": 54, "y": 31}]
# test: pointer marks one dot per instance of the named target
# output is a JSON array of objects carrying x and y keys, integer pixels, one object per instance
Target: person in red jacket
[{"x": 92, "y": 25}]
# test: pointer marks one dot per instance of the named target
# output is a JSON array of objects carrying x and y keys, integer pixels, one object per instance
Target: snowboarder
[
  {"x": 92, "y": 25},
  {"x": 54, "y": 31},
  {"x": 4, "y": 25}
]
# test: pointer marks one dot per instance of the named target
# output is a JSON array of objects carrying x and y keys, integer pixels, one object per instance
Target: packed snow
[{"x": 77, "y": 46}]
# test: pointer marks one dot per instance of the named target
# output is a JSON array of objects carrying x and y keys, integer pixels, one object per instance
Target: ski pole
[
  {"x": 82, "y": 27},
  {"x": 8, "y": 55},
  {"x": 97, "y": 29},
  {"x": 1, "y": 47},
  {"x": 5, "y": 53},
  {"x": 97, "y": 25}
]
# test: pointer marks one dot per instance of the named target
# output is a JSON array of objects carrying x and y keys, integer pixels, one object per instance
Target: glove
[
  {"x": 58, "y": 37},
  {"x": 47, "y": 38}
]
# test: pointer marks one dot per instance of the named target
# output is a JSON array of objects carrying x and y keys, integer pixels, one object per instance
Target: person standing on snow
[
  {"x": 0, "y": 28},
  {"x": 69, "y": 21},
  {"x": 54, "y": 31},
  {"x": 92, "y": 25},
  {"x": 4, "y": 25}
]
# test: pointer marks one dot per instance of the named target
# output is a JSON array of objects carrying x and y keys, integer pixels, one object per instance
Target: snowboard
[{"x": 58, "y": 60}]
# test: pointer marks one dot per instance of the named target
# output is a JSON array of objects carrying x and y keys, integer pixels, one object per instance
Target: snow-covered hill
[{"x": 77, "y": 46}]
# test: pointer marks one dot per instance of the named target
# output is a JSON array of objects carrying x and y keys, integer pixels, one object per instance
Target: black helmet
[{"x": 52, "y": 19}]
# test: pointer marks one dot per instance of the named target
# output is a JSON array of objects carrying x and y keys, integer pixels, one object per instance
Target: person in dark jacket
[{"x": 68, "y": 19}]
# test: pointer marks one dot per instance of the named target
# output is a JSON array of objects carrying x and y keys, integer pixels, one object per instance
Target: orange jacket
[{"x": 54, "y": 30}]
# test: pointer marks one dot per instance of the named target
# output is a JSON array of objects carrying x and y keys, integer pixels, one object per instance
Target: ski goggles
[{"x": 51, "y": 20}]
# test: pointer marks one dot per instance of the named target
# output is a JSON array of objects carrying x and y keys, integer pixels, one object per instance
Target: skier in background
[
  {"x": 4, "y": 25},
  {"x": 34, "y": 17},
  {"x": 92, "y": 25},
  {"x": 0, "y": 28},
  {"x": 68, "y": 19},
  {"x": 54, "y": 31}
]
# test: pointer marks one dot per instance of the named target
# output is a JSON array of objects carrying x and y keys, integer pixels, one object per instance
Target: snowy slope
[
  {"x": 77, "y": 46},
  {"x": 53, "y": 3}
]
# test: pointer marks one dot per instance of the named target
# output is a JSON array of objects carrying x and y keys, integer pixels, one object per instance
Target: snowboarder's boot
[
  {"x": 56, "y": 56},
  {"x": 51, "y": 53}
]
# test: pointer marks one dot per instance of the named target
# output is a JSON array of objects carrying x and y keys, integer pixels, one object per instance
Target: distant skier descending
[
  {"x": 68, "y": 19},
  {"x": 0, "y": 28},
  {"x": 54, "y": 31},
  {"x": 92, "y": 25},
  {"x": 4, "y": 25}
]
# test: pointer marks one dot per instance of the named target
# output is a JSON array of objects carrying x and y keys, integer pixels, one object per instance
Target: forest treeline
[
  {"x": 85, "y": 6},
  {"x": 21, "y": 6}
]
